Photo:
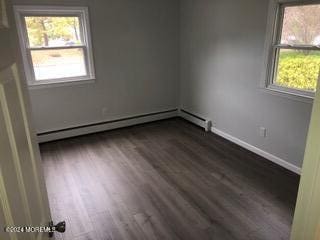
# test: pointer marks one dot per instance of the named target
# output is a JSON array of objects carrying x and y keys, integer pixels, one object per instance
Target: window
[
  {"x": 295, "y": 52},
  {"x": 55, "y": 44}
]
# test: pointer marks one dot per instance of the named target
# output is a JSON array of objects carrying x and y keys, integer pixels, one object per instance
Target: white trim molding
[
  {"x": 201, "y": 122},
  {"x": 258, "y": 151}
]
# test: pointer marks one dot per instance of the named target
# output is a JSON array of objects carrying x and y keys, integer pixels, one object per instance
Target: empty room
[{"x": 159, "y": 119}]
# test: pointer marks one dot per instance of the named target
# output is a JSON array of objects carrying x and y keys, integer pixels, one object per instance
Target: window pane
[
  {"x": 298, "y": 69},
  {"x": 62, "y": 63},
  {"x": 301, "y": 25},
  {"x": 44, "y": 31}
]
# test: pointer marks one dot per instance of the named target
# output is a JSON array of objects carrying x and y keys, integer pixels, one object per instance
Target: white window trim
[
  {"x": 273, "y": 26},
  {"x": 83, "y": 13}
]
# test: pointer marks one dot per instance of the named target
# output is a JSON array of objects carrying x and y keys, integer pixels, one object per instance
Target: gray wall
[
  {"x": 136, "y": 54},
  {"x": 222, "y": 43}
]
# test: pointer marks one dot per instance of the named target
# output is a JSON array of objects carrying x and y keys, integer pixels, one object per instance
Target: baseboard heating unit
[
  {"x": 107, "y": 125},
  {"x": 198, "y": 120}
]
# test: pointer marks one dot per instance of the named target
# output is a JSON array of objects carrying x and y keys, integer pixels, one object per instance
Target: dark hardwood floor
[{"x": 166, "y": 180}]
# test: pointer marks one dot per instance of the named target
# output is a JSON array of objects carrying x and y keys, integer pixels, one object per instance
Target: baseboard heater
[
  {"x": 194, "y": 118},
  {"x": 104, "y": 126}
]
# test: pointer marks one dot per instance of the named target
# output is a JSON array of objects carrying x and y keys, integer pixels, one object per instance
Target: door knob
[{"x": 59, "y": 227}]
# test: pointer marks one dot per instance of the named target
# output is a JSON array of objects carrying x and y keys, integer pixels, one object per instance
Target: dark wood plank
[{"x": 166, "y": 180}]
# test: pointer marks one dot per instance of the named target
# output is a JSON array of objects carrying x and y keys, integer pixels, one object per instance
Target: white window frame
[
  {"x": 272, "y": 46},
  {"x": 82, "y": 13}
]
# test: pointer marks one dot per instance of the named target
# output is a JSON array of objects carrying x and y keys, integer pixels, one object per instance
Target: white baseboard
[
  {"x": 258, "y": 151},
  {"x": 100, "y": 127},
  {"x": 201, "y": 122}
]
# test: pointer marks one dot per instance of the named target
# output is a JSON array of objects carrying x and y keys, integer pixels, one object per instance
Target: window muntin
[
  {"x": 55, "y": 44},
  {"x": 296, "y": 52}
]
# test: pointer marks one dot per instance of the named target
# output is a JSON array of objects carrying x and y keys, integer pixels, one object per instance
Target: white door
[
  {"x": 23, "y": 196},
  {"x": 306, "y": 223}
]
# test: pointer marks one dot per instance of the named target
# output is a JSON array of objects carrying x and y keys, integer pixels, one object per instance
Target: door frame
[{"x": 306, "y": 224}]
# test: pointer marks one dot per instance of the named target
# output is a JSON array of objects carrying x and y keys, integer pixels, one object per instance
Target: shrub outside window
[
  {"x": 55, "y": 44},
  {"x": 295, "y": 57}
]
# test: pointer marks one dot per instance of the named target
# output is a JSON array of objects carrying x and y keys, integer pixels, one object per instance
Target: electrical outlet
[{"x": 263, "y": 132}]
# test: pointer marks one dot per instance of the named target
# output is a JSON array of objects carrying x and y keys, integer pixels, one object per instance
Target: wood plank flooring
[{"x": 166, "y": 180}]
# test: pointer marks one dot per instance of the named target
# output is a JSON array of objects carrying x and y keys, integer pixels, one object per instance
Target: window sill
[
  {"x": 56, "y": 84},
  {"x": 288, "y": 93}
]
